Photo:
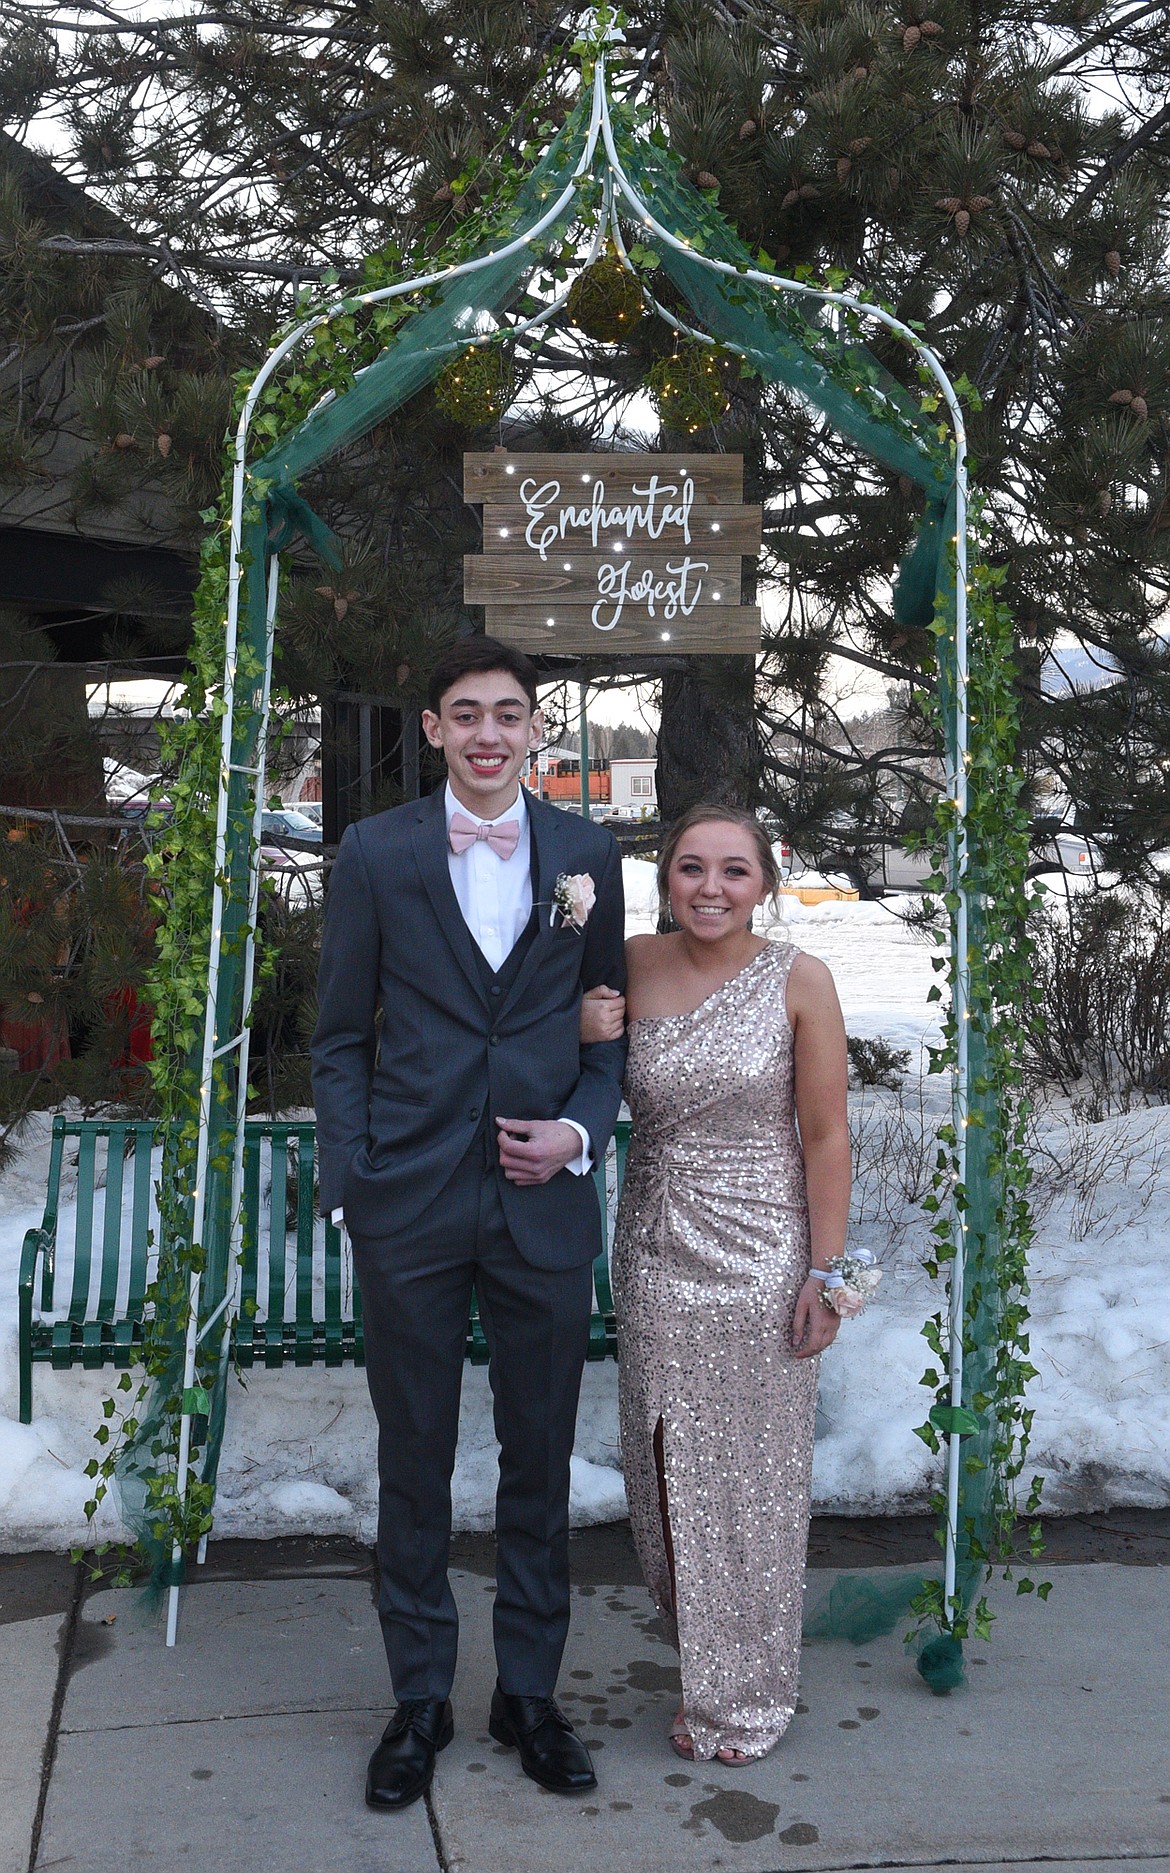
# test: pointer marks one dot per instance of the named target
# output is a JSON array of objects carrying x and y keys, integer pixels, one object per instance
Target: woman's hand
[
  {"x": 814, "y": 1326},
  {"x": 603, "y": 1015}
]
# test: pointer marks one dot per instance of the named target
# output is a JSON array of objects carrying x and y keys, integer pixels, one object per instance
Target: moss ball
[
  {"x": 690, "y": 388},
  {"x": 605, "y": 300},
  {"x": 477, "y": 386}
]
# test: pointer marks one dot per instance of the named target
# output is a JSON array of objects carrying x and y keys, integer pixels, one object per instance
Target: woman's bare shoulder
[
  {"x": 645, "y": 955},
  {"x": 810, "y": 984}
]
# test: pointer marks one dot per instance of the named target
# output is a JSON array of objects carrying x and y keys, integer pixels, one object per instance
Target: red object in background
[
  {"x": 38, "y": 1043},
  {"x": 122, "y": 1006}
]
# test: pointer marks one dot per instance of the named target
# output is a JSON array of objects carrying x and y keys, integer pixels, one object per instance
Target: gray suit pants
[{"x": 415, "y": 1292}]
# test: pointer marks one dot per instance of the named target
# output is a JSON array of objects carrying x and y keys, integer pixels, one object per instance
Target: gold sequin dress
[{"x": 710, "y": 1253}]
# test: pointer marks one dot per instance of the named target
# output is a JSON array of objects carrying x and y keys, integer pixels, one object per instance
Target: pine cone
[
  {"x": 443, "y": 193},
  {"x": 152, "y": 364},
  {"x": 859, "y": 144},
  {"x": 747, "y": 129},
  {"x": 809, "y": 192},
  {"x": 163, "y": 444},
  {"x": 859, "y": 72},
  {"x": 124, "y": 441},
  {"x": 962, "y": 220},
  {"x": 950, "y": 204},
  {"x": 1014, "y": 140},
  {"x": 979, "y": 204},
  {"x": 1113, "y": 261},
  {"x": 1104, "y": 501},
  {"x": 910, "y": 38},
  {"x": 1122, "y": 396},
  {"x": 401, "y": 674},
  {"x": 1041, "y": 150},
  {"x": 844, "y": 165},
  {"x": 930, "y": 29},
  {"x": 790, "y": 200},
  {"x": 706, "y": 180},
  {"x": 1140, "y": 408}
]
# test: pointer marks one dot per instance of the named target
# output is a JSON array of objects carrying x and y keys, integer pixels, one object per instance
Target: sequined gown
[{"x": 710, "y": 1253}]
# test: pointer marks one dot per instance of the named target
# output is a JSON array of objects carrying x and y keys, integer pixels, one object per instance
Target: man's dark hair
[{"x": 472, "y": 656}]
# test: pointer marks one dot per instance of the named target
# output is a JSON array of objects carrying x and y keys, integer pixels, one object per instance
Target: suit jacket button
[
  {"x": 496, "y": 990},
  {"x": 474, "y": 1113},
  {"x": 493, "y": 1040}
]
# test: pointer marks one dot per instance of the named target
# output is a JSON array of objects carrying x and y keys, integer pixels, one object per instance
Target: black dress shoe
[
  {"x": 403, "y": 1764},
  {"x": 550, "y": 1750}
]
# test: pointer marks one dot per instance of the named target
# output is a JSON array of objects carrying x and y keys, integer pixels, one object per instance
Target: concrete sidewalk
[{"x": 247, "y": 1745}]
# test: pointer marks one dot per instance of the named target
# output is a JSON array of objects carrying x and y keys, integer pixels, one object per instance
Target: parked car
[
  {"x": 288, "y": 822},
  {"x": 1069, "y": 851},
  {"x": 311, "y": 809}
]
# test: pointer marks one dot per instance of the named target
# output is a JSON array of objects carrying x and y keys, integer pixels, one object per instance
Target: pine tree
[{"x": 997, "y": 172}]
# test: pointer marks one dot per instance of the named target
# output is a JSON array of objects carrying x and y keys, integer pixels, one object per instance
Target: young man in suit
[{"x": 458, "y": 1117}]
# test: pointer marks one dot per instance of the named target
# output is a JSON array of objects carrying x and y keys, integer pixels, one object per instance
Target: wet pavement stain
[
  {"x": 800, "y": 1834},
  {"x": 581, "y": 1674},
  {"x": 621, "y": 1807},
  {"x": 868, "y": 1711},
  {"x": 848, "y": 1723},
  {"x": 737, "y": 1815},
  {"x": 684, "y": 1781},
  {"x": 202, "y": 1775},
  {"x": 645, "y": 1675}
]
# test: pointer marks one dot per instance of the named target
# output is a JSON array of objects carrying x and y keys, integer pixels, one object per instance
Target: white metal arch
[{"x": 600, "y": 130}]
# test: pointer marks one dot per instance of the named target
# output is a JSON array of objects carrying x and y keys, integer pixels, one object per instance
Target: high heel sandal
[{"x": 680, "y": 1737}]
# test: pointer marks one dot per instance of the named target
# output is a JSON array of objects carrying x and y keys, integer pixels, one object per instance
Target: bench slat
[
  {"x": 334, "y": 1355},
  {"x": 83, "y": 1233},
  {"x": 249, "y": 1246},
  {"x": 305, "y": 1248},
  {"x": 112, "y": 1223},
  {"x": 277, "y": 1239}
]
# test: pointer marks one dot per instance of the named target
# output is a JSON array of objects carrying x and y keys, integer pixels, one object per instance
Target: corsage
[{"x": 848, "y": 1282}]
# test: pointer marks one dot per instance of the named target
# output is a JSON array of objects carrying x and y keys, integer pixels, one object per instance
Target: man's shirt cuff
[{"x": 580, "y": 1166}]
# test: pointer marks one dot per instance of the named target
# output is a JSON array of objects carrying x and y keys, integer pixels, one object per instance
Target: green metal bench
[{"x": 298, "y": 1302}]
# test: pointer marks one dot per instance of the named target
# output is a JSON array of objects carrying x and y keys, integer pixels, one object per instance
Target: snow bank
[{"x": 299, "y": 1454}]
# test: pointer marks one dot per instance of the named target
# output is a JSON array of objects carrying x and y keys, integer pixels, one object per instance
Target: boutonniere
[{"x": 574, "y": 895}]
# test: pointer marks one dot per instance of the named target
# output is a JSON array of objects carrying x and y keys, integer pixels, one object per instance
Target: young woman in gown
[{"x": 737, "y": 1183}]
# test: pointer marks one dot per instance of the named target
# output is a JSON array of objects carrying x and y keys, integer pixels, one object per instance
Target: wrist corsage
[{"x": 848, "y": 1282}]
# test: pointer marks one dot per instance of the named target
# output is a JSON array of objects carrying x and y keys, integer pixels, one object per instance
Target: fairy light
[
  {"x": 550, "y": 621},
  {"x": 568, "y": 565},
  {"x": 510, "y": 469},
  {"x": 503, "y": 533},
  {"x": 666, "y": 637}
]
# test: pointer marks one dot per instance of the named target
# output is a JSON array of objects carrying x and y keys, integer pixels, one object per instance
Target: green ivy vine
[{"x": 992, "y": 1203}]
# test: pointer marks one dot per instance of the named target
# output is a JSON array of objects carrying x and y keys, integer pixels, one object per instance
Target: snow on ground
[{"x": 299, "y": 1454}]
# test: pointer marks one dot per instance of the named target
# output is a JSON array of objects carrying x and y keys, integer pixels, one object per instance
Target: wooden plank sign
[{"x": 613, "y": 553}]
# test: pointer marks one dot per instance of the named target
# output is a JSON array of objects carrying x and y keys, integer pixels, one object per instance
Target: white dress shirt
[{"x": 495, "y": 896}]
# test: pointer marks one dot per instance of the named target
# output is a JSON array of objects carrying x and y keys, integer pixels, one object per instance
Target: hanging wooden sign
[{"x": 613, "y": 553}]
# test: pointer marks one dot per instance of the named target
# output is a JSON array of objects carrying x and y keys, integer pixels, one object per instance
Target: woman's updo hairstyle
[{"x": 732, "y": 816}]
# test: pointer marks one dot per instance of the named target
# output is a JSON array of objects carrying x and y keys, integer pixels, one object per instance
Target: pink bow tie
[{"x": 503, "y": 838}]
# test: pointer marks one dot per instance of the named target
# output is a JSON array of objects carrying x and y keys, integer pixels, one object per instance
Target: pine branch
[
  {"x": 1113, "y": 165},
  {"x": 185, "y": 264}
]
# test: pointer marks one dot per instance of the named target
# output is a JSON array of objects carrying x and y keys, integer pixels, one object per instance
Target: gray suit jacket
[{"x": 397, "y": 1110}]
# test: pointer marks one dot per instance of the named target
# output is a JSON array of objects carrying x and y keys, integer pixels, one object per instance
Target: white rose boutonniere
[{"x": 574, "y": 895}]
